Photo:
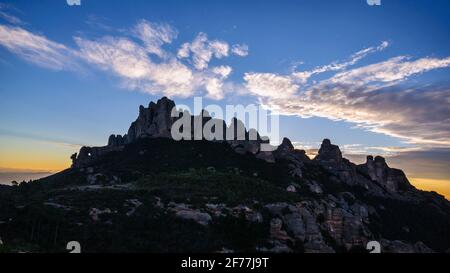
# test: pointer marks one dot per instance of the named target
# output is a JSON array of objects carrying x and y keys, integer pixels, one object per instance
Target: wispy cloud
[
  {"x": 181, "y": 74},
  {"x": 240, "y": 50},
  {"x": 272, "y": 85},
  {"x": 42, "y": 138},
  {"x": 131, "y": 63},
  {"x": 6, "y": 15},
  {"x": 304, "y": 76},
  {"x": 137, "y": 57},
  {"x": 98, "y": 23},
  {"x": 392, "y": 70},
  {"x": 269, "y": 85},
  {"x": 10, "y": 18},
  {"x": 202, "y": 50},
  {"x": 416, "y": 162},
  {"x": 37, "y": 48},
  {"x": 416, "y": 115},
  {"x": 370, "y": 96},
  {"x": 154, "y": 36}
]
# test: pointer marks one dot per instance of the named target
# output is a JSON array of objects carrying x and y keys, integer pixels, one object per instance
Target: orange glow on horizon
[
  {"x": 30, "y": 155},
  {"x": 440, "y": 186}
]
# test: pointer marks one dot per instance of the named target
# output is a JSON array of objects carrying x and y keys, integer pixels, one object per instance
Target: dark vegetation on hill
[{"x": 155, "y": 194}]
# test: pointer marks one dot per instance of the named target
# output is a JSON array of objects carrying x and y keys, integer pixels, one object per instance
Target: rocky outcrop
[
  {"x": 295, "y": 158},
  {"x": 184, "y": 212},
  {"x": 392, "y": 180},
  {"x": 244, "y": 141},
  {"x": 300, "y": 223},
  {"x": 375, "y": 175},
  {"x": 336, "y": 205},
  {"x": 330, "y": 156},
  {"x": 154, "y": 121},
  {"x": 88, "y": 155},
  {"x": 116, "y": 140}
]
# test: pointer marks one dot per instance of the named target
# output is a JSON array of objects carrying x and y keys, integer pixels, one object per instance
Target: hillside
[{"x": 145, "y": 192}]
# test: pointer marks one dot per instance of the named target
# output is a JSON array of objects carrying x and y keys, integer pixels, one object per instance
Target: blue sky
[{"x": 316, "y": 58}]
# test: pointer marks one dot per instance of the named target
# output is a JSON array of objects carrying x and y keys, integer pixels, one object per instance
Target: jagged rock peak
[
  {"x": 284, "y": 150},
  {"x": 326, "y": 142},
  {"x": 380, "y": 160},
  {"x": 116, "y": 140},
  {"x": 287, "y": 142},
  {"x": 393, "y": 180},
  {"x": 286, "y": 145},
  {"x": 329, "y": 153},
  {"x": 154, "y": 121}
]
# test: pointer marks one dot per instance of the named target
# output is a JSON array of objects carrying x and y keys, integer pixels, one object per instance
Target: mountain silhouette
[{"x": 146, "y": 192}]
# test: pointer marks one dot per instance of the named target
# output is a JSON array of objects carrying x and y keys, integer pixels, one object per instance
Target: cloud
[
  {"x": 416, "y": 162},
  {"x": 184, "y": 51},
  {"x": 10, "y": 18},
  {"x": 202, "y": 50},
  {"x": 42, "y": 138},
  {"x": 137, "y": 57},
  {"x": 304, "y": 76},
  {"x": 120, "y": 55},
  {"x": 282, "y": 86},
  {"x": 130, "y": 61},
  {"x": 6, "y": 16},
  {"x": 392, "y": 70},
  {"x": 37, "y": 49},
  {"x": 240, "y": 50},
  {"x": 134, "y": 62},
  {"x": 154, "y": 35},
  {"x": 371, "y": 97},
  {"x": 270, "y": 85},
  {"x": 224, "y": 70},
  {"x": 98, "y": 23},
  {"x": 375, "y": 97},
  {"x": 432, "y": 163}
]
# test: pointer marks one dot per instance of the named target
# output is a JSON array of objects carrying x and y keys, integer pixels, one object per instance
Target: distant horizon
[{"x": 8, "y": 178}]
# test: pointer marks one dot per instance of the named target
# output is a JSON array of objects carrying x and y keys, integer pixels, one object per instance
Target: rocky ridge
[
  {"x": 283, "y": 200},
  {"x": 156, "y": 122}
]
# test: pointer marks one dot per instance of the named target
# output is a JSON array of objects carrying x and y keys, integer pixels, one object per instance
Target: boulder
[
  {"x": 201, "y": 218},
  {"x": 291, "y": 188}
]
